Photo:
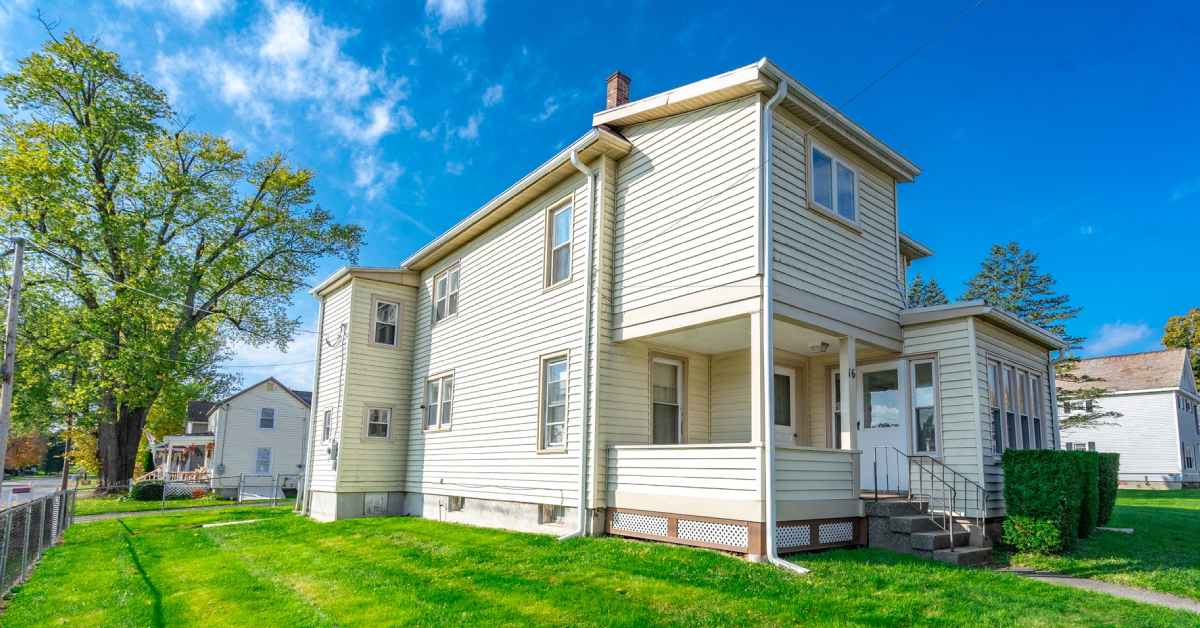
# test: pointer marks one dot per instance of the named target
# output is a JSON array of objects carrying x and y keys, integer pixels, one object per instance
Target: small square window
[
  {"x": 266, "y": 418},
  {"x": 834, "y": 184},
  {"x": 379, "y": 422},
  {"x": 551, "y": 514},
  {"x": 455, "y": 503}
]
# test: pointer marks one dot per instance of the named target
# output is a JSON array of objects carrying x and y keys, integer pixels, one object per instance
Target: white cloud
[
  {"x": 493, "y": 95},
  {"x": 470, "y": 130},
  {"x": 1185, "y": 189},
  {"x": 455, "y": 167},
  {"x": 292, "y": 57},
  {"x": 548, "y": 108},
  {"x": 1116, "y": 336},
  {"x": 455, "y": 13},
  {"x": 199, "y": 11},
  {"x": 293, "y": 367},
  {"x": 372, "y": 175}
]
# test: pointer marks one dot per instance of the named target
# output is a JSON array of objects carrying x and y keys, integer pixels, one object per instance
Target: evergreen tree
[
  {"x": 921, "y": 294},
  {"x": 1010, "y": 280}
]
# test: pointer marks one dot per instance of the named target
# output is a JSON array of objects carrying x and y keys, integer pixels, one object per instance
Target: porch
[
  {"x": 182, "y": 457},
  {"x": 692, "y": 468}
]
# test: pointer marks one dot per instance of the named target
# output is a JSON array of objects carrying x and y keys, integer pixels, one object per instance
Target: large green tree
[
  {"x": 165, "y": 245},
  {"x": 1183, "y": 332},
  {"x": 1009, "y": 278}
]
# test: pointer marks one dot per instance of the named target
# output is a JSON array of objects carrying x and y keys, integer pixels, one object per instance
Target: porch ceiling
[{"x": 734, "y": 334}]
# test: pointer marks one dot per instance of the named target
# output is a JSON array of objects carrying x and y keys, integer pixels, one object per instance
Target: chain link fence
[{"x": 29, "y": 530}]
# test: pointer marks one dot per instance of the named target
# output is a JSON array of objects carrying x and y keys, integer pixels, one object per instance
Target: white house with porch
[
  {"x": 258, "y": 432},
  {"x": 687, "y": 326}
]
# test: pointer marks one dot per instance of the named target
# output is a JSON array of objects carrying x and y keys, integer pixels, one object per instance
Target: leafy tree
[
  {"x": 25, "y": 450},
  {"x": 921, "y": 294},
  {"x": 1009, "y": 279},
  {"x": 1183, "y": 332},
  {"x": 162, "y": 247}
]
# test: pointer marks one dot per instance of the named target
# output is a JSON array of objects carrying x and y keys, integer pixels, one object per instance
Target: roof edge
[
  {"x": 920, "y": 250},
  {"x": 376, "y": 273},
  {"x": 596, "y": 135},
  {"x": 962, "y": 309}
]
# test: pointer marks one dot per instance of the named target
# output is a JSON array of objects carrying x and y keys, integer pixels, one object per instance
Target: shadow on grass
[{"x": 155, "y": 595}]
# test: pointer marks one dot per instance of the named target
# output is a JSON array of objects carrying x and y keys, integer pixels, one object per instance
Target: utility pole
[{"x": 10, "y": 351}]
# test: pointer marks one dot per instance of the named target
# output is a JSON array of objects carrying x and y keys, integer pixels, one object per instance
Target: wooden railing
[{"x": 195, "y": 475}]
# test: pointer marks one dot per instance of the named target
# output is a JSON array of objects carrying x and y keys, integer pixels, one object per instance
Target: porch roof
[
  {"x": 1025, "y": 329},
  {"x": 188, "y": 440}
]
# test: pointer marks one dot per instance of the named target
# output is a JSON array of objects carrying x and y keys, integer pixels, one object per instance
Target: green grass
[
  {"x": 286, "y": 570},
  {"x": 1162, "y": 554},
  {"x": 115, "y": 503}
]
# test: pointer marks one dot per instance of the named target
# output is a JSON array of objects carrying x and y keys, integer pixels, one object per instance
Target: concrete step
[
  {"x": 939, "y": 539},
  {"x": 908, "y": 524},
  {"x": 964, "y": 556},
  {"x": 892, "y": 507}
]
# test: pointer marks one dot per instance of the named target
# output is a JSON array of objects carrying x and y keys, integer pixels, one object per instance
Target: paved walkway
[
  {"x": 1129, "y": 593},
  {"x": 145, "y": 513}
]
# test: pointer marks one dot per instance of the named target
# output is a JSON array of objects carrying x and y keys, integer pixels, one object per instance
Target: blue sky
[{"x": 1072, "y": 129}]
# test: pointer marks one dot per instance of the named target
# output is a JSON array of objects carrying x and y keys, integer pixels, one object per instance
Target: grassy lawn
[
  {"x": 286, "y": 570},
  {"x": 1162, "y": 554},
  {"x": 114, "y": 503}
]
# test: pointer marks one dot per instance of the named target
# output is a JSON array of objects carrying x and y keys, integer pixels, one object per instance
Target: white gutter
[
  {"x": 588, "y": 346},
  {"x": 768, "y": 331}
]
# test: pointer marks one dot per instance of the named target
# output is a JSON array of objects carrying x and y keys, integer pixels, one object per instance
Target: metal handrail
[{"x": 947, "y": 507}]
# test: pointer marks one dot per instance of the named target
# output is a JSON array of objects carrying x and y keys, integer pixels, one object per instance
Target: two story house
[
  {"x": 1158, "y": 430},
  {"x": 688, "y": 325}
]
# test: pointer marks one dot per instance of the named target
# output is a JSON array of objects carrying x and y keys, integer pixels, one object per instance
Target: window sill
[
  {"x": 380, "y": 345},
  {"x": 445, "y": 321},
  {"x": 557, "y": 286},
  {"x": 435, "y": 430},
  {"x": 841, "y": 220},
  {"x": 551, "y": 450}
]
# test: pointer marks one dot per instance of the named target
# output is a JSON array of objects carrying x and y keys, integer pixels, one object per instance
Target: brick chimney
[{"x": 617, "y": 93}]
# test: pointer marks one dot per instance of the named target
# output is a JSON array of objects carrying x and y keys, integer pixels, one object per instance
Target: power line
[{"x": 81, "y": 269}]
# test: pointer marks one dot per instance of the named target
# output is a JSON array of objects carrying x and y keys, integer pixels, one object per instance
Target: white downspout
[
  {"x": 582, "y": 527},
  {"x": 302, "y": 501},
  {"x": 768, "y": 331}
]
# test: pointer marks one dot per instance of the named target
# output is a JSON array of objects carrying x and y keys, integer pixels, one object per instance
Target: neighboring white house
[
  {"x": 258, "y": 432},
  {"x": 1158, "y": 432},
  {"x": 648, "y": 335}
]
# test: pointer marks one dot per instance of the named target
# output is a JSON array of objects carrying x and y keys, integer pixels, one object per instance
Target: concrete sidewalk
[{"x": 1129, "y": 593}]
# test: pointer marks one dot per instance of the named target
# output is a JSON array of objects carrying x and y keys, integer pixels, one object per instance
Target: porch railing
[{"x": 948, "y": 493}]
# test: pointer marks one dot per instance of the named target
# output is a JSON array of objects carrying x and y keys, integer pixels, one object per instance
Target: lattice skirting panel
[
  {"x": 795, "y": 536},
  {"x": 723, "y": 534}
]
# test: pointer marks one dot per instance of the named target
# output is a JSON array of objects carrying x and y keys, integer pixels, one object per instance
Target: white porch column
[
  {"x": 167, "y": 467},
  {"x": 848, "y": 374},
  {"x": 757, "y": 413}
]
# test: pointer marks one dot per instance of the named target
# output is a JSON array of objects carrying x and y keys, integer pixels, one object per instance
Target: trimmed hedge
[
  {"x": 1042, "y": 495},
  {"x": 1089, "y": 508},
  {"x": 1110, "y": 468},
  {"x": 147, "y": 491}
]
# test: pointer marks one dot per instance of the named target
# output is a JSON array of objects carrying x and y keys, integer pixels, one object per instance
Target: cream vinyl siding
[
  {"x": 817, "y": 254},
  {"x": 816, "y": 483},
  {"x": 957, "y": 385},
  {"x": 996, "y": 343},
  {"x": 710, "y": 480},
  {"x": 378, "y": 377},
  {"x": 731, "y": 397},
  {"x": 507, "y": 320},
  {"x": 330, "y": 384},
  {"x": 1146, "y": 435},
  {"x": 686, "y": 213},
  {"x": 238, "y": 436}
]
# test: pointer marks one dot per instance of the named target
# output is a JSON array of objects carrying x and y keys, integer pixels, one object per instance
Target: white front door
[
  {"x": 882, "y": 428},
  {"x": 785, "y": 406}
]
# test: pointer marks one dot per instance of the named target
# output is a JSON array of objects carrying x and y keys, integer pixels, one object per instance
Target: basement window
[
  {"x": 455, "y": 503},
  {"x": 551, "y": 514}
]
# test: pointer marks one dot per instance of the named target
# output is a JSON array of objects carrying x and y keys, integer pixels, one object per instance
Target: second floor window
[
  {"x": 439, "y": 402},
  {"x": 558, "y": 243},
  {"x": 445, "y": 294},
  {"x": 834, "y": 184},
  {"x": 384, "y": 323},
  {"x": 266, "y": 418},
  {"x": 379, "y": 422}
]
